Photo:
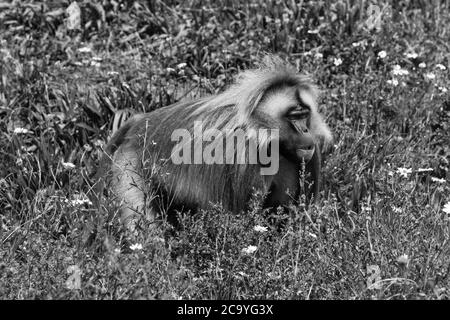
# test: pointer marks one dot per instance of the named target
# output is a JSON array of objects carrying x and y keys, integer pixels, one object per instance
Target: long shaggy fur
[{"x": 138, "y": 155}]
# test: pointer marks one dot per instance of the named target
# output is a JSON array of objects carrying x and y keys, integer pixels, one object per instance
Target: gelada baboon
[{"x": 151, "y": 170}]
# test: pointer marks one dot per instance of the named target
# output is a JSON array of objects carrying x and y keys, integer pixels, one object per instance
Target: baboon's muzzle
[
  {"x": 299, "y": 148},
  {"x": 304, "y": 142},
  {"x": 306, "y": 152},
  {"x": 305, "y": 146}
]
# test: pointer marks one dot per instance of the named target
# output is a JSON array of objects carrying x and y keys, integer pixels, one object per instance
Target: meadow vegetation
[{"x": 382, "y": 227}]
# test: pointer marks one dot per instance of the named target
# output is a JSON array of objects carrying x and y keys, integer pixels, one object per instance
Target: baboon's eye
[{"x": 298, "y": 113}]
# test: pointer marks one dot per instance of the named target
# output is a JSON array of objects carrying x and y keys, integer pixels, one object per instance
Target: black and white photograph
[{"x": 224, "y": 150}]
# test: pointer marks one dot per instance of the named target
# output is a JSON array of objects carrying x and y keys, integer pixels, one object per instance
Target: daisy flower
[{"x": 249, "y": 249}]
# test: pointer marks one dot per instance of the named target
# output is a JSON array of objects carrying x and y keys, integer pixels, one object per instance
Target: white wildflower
[
  {"x": 112, "y": 73},
  {"x": 249, "y": 249},
  {"x": 68, "y": 165},
  {"x": 95, "y": 64},
  {"x": 382, "y": 54},
  {"x": 22, "y": 131},
  {"x": 422, "y": 65},
  {"x": 318, "y": 55},
  {"x": 79, "y": 202},
  {"x": 411, "y": 55},
  {"x": 446, "y": 208},
  {"x": 397, "y": 209},
  {"x": 443, "y": 89},
  {"x": 337, "y": 61},
  {"x": 398, "y": 71},
  {"x": 434, "y": 179},
  {"x": 404, "y": 171},
  {"x": 430, "y": 76},
  {"x": 259, "y": 228},
  {"x": 136, "y": 246},
  {"x": 84, "y": 49},
  {"x": 441, "y": 67},
  {"x": 170, "y": 70},
  {"x": 312, "y": 235},
  {"x": 424, "y": 170},
  {"x": 181, "y": 65},
  {"x": 99, "y": 143},
  {"x": 393, "y": 82}
]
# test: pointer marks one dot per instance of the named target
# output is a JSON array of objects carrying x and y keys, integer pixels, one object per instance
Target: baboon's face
[{"x": 291, "y": 108}]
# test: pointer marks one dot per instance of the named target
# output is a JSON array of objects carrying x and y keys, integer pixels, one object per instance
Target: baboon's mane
[
  {"x": 230, "y": 184},
  {"x": 249, "y": 90},
  {"x": 230, "y": 110}
]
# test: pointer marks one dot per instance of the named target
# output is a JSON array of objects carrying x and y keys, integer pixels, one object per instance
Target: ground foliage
[{"x": 381, "y": 230}]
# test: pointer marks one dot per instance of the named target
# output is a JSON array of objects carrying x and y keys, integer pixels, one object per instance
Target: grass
[{"x": 379, "y": 232}]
